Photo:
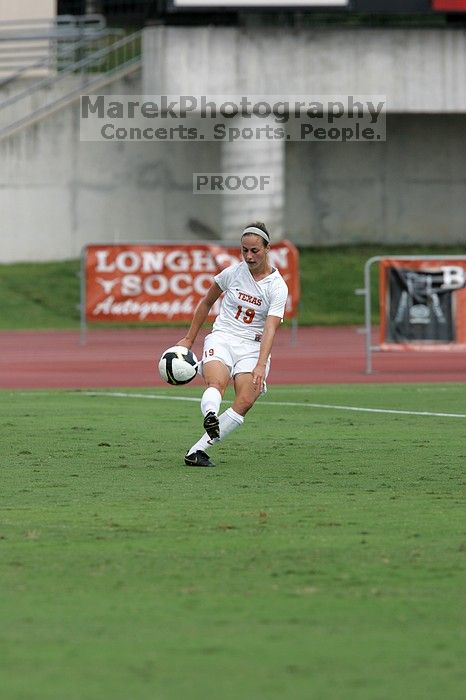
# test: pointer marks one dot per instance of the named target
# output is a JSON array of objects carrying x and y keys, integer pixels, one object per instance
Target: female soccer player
[{"x": 239, "y": 345}]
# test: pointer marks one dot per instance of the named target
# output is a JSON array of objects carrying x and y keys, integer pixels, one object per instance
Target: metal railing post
[
  {"x": 82, "y": 301},
  {"x": 368, "y": 312}
]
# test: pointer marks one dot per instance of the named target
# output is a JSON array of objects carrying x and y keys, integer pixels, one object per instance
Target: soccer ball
[{"x": 178, "y": 365}]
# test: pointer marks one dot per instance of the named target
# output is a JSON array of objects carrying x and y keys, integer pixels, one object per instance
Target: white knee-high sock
[
  {"x": 228, "y": 421},
  {"x": 211, "y": 400}
]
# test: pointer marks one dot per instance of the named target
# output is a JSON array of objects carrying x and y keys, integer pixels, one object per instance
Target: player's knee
[
  {"x": 216, "y": 384},
  {"x": 242, "y": 404}
]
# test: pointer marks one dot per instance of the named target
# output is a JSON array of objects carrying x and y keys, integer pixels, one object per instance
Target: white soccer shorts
[{"x": 238, "y": 354}]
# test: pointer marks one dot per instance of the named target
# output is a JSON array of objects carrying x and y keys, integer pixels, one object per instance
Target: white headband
[{"x": 257, "y": 232}]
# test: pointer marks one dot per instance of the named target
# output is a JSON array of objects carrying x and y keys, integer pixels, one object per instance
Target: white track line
[{"x": 161, "y": 397}]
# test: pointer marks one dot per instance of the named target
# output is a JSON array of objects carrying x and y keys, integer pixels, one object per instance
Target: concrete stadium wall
[
  {"x": 58, "y": 194},
  {"x": 420, "y": 70},
  {"x": 410, "y": 189}
]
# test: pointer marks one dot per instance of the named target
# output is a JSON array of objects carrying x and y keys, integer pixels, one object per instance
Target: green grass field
[{"x": 323, "y": 558}]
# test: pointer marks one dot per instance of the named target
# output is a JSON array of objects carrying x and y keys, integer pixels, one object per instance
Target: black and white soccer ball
[{"x": 178, "y": 365}]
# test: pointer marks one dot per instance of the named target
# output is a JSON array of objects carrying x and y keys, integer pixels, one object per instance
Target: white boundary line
[{"x": 336, "y": 407}]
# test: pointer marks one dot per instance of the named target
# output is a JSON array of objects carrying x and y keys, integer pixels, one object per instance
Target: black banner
[{"x": 419, "y": 309}]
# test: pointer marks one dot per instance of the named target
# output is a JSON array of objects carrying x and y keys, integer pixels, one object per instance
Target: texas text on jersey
[{"x": 247, "y": 303}]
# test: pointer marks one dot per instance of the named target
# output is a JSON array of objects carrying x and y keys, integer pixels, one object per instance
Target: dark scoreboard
[{"x": 387, "y": 7}]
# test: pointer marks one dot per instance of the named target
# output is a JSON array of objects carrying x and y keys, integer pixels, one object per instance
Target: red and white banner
[{"x": 149, "y": 282}]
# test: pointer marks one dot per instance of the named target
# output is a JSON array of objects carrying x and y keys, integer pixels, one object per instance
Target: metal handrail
[
  {"x": 72, "y": 68},
  {"x": 50, "y": 38},
  {"x": 49, "y": 28},
  {"x": 45, "y": 62},
  {"x": 92, "y": 61}
]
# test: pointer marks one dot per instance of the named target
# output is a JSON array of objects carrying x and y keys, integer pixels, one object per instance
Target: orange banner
[
  {"x": 422, "y": 304},
  {"x": 149, "y": 282}
]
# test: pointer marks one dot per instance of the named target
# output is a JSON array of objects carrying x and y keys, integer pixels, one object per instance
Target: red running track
[{"x": 128, "y": 358}]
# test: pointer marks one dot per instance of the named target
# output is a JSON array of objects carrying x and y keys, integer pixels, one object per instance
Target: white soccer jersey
[{"x": 247, "y": 303}]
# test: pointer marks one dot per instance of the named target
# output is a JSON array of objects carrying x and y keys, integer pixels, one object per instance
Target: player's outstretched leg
[
  {"x": 210, "y": 405},
  {"x": 228, "y": 421},
  {"x": 211, "y": 425}
]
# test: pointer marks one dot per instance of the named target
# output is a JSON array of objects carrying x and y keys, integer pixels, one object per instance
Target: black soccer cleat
[
  {"x": 211, "y": 425},
  {"x": 198, "y": 459}
]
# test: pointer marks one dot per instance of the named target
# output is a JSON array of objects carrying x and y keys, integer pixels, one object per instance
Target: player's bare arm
[
  {"x": 270, "y": 328},
  {"x": 200, "y": 315}
]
